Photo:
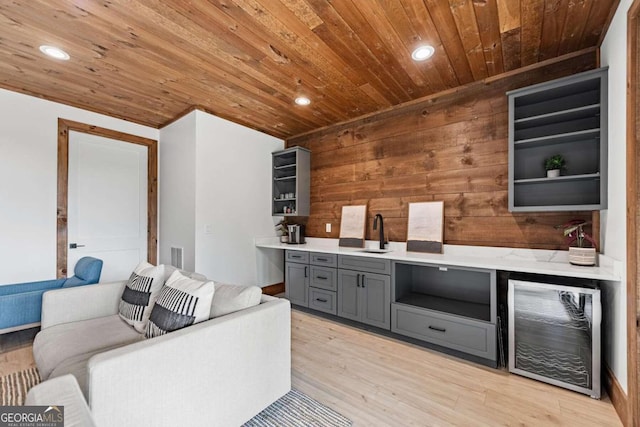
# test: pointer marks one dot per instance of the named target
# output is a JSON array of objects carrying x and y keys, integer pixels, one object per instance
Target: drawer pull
[
  {"x": 433, "y": 328},
  {"x": 296, "y": 256},
  {"x": 322, "y": 259},
  {"x": 321, "y": 277},
  {"x": 321, "y": 299}
]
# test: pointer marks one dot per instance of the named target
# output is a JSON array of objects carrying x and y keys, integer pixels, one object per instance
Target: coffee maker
[{"x": 296, "y": 234}]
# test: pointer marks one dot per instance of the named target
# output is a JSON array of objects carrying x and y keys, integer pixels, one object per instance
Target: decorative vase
[
  {"x": 553, "y": 173},
  {"x": 582, "y": 256},
  {"x": 284, "y": 238}
]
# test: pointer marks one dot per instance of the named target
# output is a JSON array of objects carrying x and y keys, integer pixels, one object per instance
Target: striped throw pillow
[
  {"x": 140, "y": 293},
  {"x": 182, "y": 302}
]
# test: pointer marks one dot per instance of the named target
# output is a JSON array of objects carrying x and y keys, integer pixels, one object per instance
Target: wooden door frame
[
  {"x": 633, "y": 161},
  {"x": 64, "y": 127}
]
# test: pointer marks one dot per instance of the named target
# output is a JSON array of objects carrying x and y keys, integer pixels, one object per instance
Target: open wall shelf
[
  {"x": 291, "y": 182},
  {"x": 567, "y": 116}
]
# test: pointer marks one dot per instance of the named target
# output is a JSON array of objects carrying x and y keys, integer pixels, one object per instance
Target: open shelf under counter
[{"x": 472, "y": 310}]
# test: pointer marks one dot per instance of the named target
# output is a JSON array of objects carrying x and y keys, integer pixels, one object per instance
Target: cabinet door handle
[
  {"x": 321, "y": 277},
  {"x": 358, "y": 281},
  {"x": 321, "y": 300},
  {"x": 433, "y": 328},
  {"x": 363, "y": 279},
  {"x": 305, "y": 271}
]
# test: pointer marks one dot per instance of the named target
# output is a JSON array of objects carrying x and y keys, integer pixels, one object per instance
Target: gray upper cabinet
[
  {"x": 291, "y": 182},
  {"x": 567, "y": 116}
]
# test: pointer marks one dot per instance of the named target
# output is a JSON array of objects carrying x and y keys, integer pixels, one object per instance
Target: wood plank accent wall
[{"x": 452, "y": 146}]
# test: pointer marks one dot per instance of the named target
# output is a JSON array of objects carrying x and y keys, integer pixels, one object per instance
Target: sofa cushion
[
  {"x": 54, "y": 345},
  {"x": 140, "y": 293},
  {"x": 230, "y": 298},
  {"x": 182, "y": 302}
]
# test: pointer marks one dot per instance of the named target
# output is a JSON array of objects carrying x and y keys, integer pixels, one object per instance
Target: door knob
[{"x": 75, "y": 245}]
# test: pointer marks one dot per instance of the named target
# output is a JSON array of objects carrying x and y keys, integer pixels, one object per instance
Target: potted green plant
[
  {"x": 553, "y": 165},
  {"x": 582, "y": 247},
  {"x": 281, "y": 228}
]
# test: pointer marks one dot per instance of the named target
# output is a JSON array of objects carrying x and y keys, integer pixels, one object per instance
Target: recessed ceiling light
[
  {"x": 301, "y": 100},
  {"x": 54, "y": 52},
  {"x": 422, "y": 53}
]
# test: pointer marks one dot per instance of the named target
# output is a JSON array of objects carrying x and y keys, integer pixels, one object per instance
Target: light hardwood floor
[
  {"x": 16, "y": 352},
  {"x": 379, "y": 381}
]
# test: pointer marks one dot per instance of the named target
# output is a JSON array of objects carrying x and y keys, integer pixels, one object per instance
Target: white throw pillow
[
  {"x": 230, "y": 298},
  {"x": 182, "y": 302},
  {"x": 140, "y": 294}
]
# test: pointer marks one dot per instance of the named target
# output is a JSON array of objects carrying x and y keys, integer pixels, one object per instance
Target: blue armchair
[{"x": 21, "y": 303}]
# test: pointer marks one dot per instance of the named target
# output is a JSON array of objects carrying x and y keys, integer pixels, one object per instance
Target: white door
[{"x": 107, "y": 204}]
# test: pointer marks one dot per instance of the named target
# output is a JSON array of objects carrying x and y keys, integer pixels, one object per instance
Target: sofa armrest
[
  {"x": 80, "y": 303},
  {"x": 62, "y": 391},
  {"x": 220, "y": 372}
]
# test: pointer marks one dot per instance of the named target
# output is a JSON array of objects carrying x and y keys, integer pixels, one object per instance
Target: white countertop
[{"x": 536, "y": 261}]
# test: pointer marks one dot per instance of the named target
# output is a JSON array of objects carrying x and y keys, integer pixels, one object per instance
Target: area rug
[
  {"x": 14, "y": 387},
  {"x": 294, "y": 409}
]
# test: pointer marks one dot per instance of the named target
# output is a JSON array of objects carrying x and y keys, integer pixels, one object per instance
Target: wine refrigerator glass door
[{"x": 554, "y": 334}]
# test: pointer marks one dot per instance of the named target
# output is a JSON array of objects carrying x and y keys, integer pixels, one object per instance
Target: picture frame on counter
[
  {"x": 352, "y": 226},
  {"x": 425, "y": 230}
]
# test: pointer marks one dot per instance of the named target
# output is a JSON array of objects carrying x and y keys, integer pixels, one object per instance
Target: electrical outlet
[{"x": 327, "y": 227}]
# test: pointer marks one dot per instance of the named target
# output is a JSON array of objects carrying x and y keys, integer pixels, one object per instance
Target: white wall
[
  {"x": 613, "y": 220},
  {"x": 177, "y": 183},
  {"x": 28, "y": 178},
  {"x": 233, "y": 202}
]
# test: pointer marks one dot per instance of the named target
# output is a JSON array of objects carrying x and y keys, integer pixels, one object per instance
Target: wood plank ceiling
[{"x": 149, "y": 61}]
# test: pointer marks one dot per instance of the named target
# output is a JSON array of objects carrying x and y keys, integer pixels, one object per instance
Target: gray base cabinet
[
  {"x": 297, "y": 283},
  {"x": 449, "y": 307},
  {"x": 322, "y": 300},
  {"x": 458, "y": 333},
  {"x": 311, "y": 280},
  {"x": 364, "y": 296}
]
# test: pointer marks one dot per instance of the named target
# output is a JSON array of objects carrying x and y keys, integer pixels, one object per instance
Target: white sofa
[{"x": 220, "y": 372}]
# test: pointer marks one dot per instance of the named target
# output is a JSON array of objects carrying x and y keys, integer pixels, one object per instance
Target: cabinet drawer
[
  {"x": 460, "y": 334},
  {"x": 325, "y": 260},
  {"x": 322, "y": 300},
  {"x": 324, "y": 278},
  {"x": 298, "y": 256},
  {"x": 371, "y": 265}
]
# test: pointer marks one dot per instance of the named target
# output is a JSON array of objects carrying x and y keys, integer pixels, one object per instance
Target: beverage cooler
[{"x": 554, "y": 334}]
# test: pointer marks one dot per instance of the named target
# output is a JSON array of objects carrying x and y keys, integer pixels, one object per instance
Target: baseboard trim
[
  {"x": 274, "y": 289},
  {"x": 616, "y": 394}
]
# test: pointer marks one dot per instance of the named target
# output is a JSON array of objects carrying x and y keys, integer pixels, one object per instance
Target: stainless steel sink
[{"x": 375, "y": 250}]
